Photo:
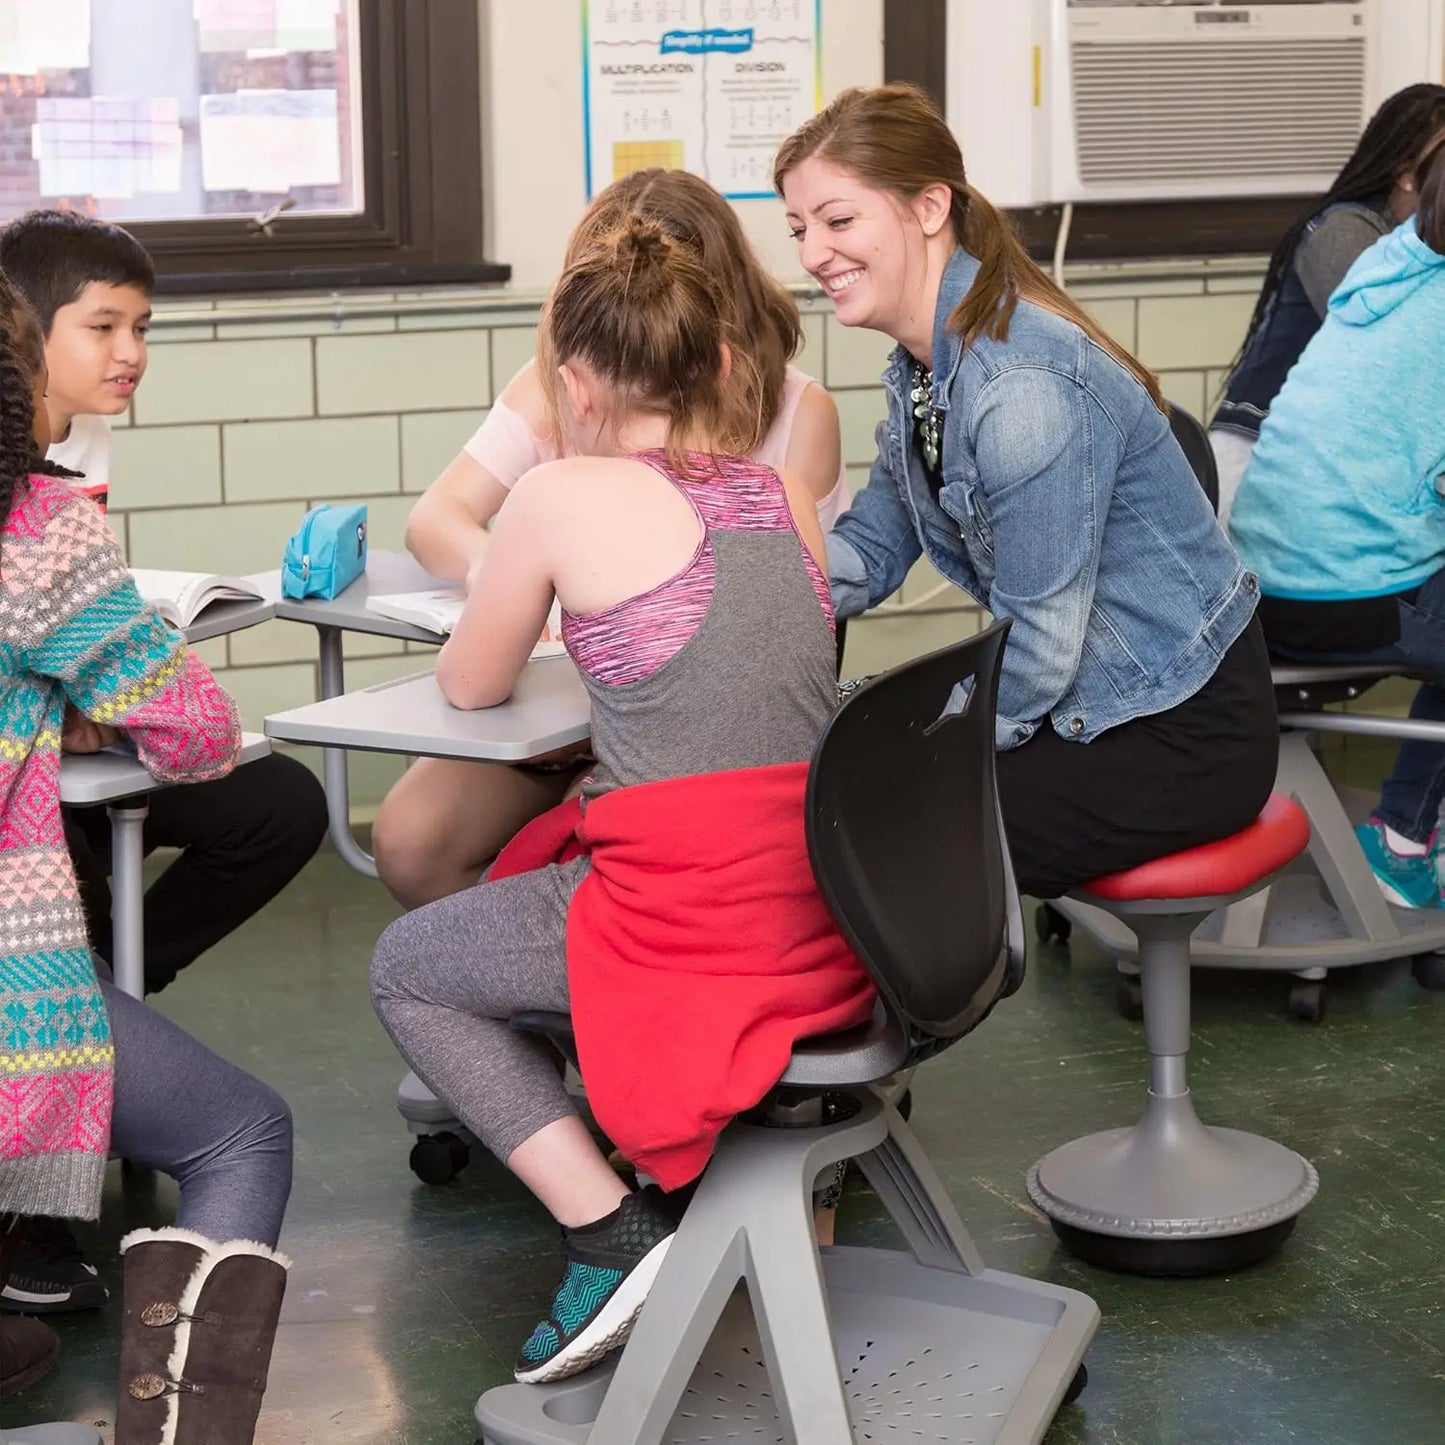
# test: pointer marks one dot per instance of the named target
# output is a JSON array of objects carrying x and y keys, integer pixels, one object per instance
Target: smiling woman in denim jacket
[{"x": 1030, "y": 459}]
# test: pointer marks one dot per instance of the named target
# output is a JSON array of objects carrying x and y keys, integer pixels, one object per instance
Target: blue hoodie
[{"x": 1342, "y": 498}]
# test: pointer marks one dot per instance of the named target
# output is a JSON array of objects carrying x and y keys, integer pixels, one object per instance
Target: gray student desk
[
  {"x": 548, "y": 709},
  {"x": 121, "y": 782},
  {"x": 385, "y": 572},
  {"x": 219, "y": 618}
]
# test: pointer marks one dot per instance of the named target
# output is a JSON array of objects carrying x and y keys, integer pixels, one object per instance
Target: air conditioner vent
[{"x": 1211, "y": 111}]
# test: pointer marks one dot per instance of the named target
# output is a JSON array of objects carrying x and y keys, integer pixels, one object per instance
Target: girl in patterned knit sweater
[{"x": 84, "y": 1069}]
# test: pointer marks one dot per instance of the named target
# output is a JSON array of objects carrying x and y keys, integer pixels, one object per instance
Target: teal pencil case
[{"x": 326, "y": 553}]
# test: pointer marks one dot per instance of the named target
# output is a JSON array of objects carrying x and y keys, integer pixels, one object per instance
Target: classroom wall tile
[
  {"x": 273, "y": 642},
  {"x": 1096, "y": 288},
  {"x": 430, "y": 441},
  {"x": 235, "y": 538},
  {"x": 411, "y": 371},
  {"x": 512, "y": 348},
  {"x": 226, "y": 381},
  {"x": 1185, "y": 332},
  {"x": 859, "y": 413},
  {"x": 166, "y": 466},
  {"x": 1118, "y": 317},
  {"x": 212, "y": 652},
  {"x": 856, "y": 356},
  {"x": 261, "y": 691},
  {"x": 318, "y": 326},
  {"x": 1186, "y": 389},
  {"x": 812, "y": 355},
  {"x": 385, "y": 517},
  {"x": 270, "y": 460}
]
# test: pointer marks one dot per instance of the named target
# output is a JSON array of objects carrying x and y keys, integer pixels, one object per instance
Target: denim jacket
[{"x": 1067, "y": 506}]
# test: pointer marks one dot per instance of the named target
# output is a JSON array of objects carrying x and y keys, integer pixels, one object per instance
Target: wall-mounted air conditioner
[{"x": 1108, "y": 100}]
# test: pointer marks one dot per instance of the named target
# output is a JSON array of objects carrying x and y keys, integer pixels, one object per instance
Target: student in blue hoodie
[{"x": 1341, "y": 512}]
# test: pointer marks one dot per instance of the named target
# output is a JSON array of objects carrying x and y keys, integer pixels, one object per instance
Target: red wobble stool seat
[{"x": 1171, "y": 1195}]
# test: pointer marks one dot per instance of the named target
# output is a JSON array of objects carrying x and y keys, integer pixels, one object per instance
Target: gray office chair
[
  {"x": 1323, "y": 912},
  {"x": 825, "y": 1346}
]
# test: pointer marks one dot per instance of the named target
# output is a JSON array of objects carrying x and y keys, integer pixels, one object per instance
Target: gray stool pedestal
[{"x": 1170, "y": 1195}]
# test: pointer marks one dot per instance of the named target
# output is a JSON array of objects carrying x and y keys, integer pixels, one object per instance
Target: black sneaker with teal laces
[{"x": 610, "y": 1269}]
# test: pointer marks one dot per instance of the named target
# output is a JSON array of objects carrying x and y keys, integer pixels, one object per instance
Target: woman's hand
[{"x": 80, "y": 734}]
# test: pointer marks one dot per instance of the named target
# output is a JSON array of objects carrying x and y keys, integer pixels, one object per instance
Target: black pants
[
  {"x": 242, "y": 838},
  {"x": 1152, "y": 786}
]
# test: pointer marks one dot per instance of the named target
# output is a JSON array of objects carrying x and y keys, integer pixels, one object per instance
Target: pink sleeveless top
[
  {"x": 507, "y": 447},
  {"x": 637, "y": 636}
]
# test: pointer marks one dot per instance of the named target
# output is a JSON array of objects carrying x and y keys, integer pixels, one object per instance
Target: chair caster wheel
[
  {"x": 1307, "y": 1000},
  {"x": 1129, "y": 997},
  {"x": 1429, "y": 971},
  {"x": 1050, "y": 925},
  {"x": 439, "y": 1158},
  {"x": 1076, "y": 1386}
]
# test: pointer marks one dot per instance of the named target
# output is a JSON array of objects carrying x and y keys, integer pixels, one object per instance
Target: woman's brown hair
[
  {"x": 1430, "y": 184},
  {"x": 893, "y": 138},
  {"x": 642, "y": 310},
  {"x": 762, "y": 327}
]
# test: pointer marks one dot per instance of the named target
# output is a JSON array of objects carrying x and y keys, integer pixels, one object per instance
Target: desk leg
[
  {"x": 127, "y": 892},
  {"x": 333, "y": 762}
]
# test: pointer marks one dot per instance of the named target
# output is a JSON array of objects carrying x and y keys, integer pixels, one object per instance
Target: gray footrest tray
[{"x": 927, "y": 1355}]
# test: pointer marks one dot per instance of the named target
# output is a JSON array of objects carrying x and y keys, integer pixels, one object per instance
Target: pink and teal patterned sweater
[{"x": 73, "y": 628}]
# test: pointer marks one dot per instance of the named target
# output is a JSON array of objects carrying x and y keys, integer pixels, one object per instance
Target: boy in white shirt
[{"x": 243, "y": 837}]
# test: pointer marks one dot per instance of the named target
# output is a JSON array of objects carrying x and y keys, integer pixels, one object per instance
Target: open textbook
[
  {"x": 439, "y": 611},
  {"x": 180, "y": 597}
]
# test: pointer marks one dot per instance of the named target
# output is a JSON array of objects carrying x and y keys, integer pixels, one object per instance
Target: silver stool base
[{"x": 1172, "y": 1196}]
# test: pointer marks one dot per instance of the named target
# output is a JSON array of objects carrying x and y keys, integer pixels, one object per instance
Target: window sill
[{"x": 382, "y": 276}]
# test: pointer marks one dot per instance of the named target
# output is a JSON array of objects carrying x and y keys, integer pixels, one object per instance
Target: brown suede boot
[{"x": 200, "y": 1320}]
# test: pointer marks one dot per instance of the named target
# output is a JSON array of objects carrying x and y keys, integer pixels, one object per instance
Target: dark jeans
[
  {"x": 1411, "y": 798},
  {"x": 242, "y": 838}
]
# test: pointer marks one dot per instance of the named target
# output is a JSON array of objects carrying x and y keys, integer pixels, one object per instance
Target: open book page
[
  {"x": 180, "y": 597},
  {"x": 440, "y": 610}
]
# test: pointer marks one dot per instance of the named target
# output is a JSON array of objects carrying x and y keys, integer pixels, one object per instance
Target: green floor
[{"x": 406, "y": 1301}]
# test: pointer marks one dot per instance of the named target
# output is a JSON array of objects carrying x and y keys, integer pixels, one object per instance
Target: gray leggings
[
  {"x": 223, "y": 1136},
  {"x": 446, "y": 978}
]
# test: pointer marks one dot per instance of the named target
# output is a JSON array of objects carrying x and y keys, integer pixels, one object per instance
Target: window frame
[
  {"x": 915, "y": 44},
  {"x": 420, "y": 83}
]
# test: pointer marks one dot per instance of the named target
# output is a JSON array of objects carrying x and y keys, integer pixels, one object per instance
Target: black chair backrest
[
  {"x": 907, "y": 841},
  {"x": 1194, "y": 443}
]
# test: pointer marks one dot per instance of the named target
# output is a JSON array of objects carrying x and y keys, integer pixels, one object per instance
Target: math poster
[{"x": 710, "y": 86}]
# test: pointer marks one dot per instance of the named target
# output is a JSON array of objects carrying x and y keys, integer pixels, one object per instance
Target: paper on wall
[
  {"x": 270, "y": 141},
  {"x": 248, "y": 25},
  {"x": 110, "y": 147},
  {"x": 40, "y": 35}
]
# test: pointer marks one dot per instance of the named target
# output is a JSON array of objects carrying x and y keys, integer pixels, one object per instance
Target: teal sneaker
[
  {"x": 1407, "y": 882},
  {"x": 610, "y": 1270}
]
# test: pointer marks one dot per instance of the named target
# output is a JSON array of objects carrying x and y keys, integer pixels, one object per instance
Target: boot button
[
  {"x": 160, "y": 1313},
  {"x": 147, "y": 1387}
]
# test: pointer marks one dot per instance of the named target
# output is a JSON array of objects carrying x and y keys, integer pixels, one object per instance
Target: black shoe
[
  {"x": 610, "y": 1269},
  {"x": 49, "y": 1273}
]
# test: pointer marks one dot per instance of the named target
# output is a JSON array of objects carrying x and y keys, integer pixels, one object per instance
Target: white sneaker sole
[
  {"x": 611, "y": 1327},
  {"x": 1398, "y": 900}
]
